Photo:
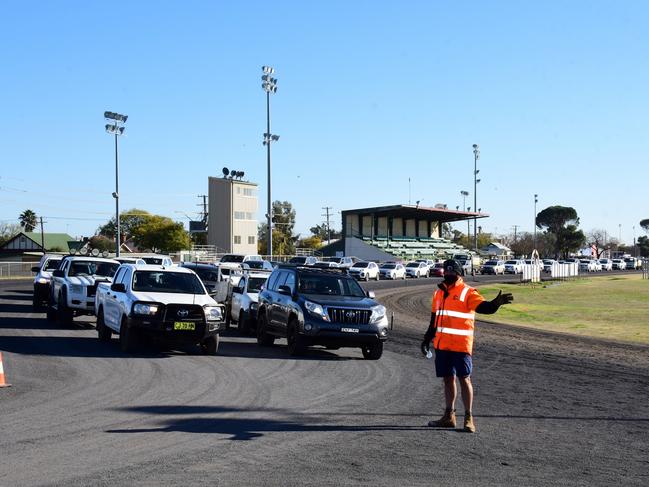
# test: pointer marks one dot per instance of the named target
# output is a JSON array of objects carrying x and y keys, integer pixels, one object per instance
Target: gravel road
[{"x": 550, "y": 409}]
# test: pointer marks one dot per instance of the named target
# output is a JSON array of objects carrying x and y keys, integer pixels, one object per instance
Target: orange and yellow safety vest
[{"x": 455, "y": 317}]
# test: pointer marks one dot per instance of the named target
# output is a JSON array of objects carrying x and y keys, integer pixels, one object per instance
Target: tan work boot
[
  {"x": 469, "y": 427},
  {"x": 446, "y": 421}
]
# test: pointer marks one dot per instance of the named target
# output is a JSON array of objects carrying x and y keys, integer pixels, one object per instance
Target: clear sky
[{"x": 370, "y": 94}]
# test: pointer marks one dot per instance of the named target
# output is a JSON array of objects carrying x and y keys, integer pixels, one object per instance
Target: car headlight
[
  {"x": 213, "y": 313},
  {"x": 254, "y": 305},
  {"x": 76, "y": 288},
  {"x": 42, "y": 280},
  {"x": 378, "y": 313},
  {"x": 145, "y": 309},
  {"x": 316, "y": 310}
]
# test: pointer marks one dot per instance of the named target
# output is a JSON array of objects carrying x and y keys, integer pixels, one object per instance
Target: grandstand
[{"x": 404, "y": 232}]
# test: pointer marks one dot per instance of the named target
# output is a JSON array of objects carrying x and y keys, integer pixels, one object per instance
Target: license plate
[
  {"x": 184, "y": 325},
  {"x": 349, "y": 330}
]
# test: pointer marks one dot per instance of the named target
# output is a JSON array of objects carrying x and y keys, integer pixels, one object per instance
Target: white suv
[
  {"x": 417, "y": 269},
  {"x": 514, "y": 266},
  {"x": 365, "y": 271}
]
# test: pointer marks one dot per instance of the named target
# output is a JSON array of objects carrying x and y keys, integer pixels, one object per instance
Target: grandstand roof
[{"x": 418, "y": 212}]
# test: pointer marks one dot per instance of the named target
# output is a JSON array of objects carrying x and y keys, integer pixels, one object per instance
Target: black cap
[{"x": 452, "y": 265}]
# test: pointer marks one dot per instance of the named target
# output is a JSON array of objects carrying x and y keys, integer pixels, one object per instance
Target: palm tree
[{"x": 28, "y": 220}]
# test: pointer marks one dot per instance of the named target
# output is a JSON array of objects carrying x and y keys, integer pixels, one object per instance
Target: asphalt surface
[{"x": 550, "y": 409}]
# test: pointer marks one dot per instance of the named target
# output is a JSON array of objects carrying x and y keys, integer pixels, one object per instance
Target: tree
[
  {"x": 128, "y": 221},
  {"x": 28, "y": 220},
  {"x": 321, "y": 232},
  {"x": 312, "y": 242},
  {"x": 597, "y": 237},
  {"x": 101, "y": 243},
  {"x": 557, "y": 220},
  {"x": 569, "y": 240},
  {"x": 645, "y": 224},
  {"x": 8, "y": 231},
  {"x": 643, "y": 246},
  {"x": 283, "y": 224},
  {"x": 161, "y": 234}
]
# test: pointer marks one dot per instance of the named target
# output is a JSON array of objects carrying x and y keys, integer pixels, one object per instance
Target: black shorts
[{"x": 449, "y": 363}]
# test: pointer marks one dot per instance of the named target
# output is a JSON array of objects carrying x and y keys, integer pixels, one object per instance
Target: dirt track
[{"x": 550, "y": 410}]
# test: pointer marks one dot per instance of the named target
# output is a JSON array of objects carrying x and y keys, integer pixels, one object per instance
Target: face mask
[{"x": 450, "y": 279}]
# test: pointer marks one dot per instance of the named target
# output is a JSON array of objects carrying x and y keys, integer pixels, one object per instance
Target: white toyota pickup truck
[
  {"x": 243, "y": 300},
  {"x": 73, "y": 286},
  {"x": 154, "y": 302}
]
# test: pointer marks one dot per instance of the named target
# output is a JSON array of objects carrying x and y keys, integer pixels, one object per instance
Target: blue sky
[{"x": 370, "y": 94}]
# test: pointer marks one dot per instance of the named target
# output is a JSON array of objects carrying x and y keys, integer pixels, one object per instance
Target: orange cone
[{"x": 2, "y": 374}]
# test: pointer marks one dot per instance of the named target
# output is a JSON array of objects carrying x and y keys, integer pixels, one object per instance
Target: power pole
[
  {"x": 42, "y": 237},
  {"x": 204, "y": 205},
  {"x": 515, "y": 227},
  {"x": 327, "y": 208}
]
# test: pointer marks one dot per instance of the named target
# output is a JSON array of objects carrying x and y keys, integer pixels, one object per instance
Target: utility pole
[
  {"x": 327, "y": 208},
  {"x": 204, "y": 205},
  {"x": 42, "y": 237},
  {"x": 515, "y": 227}
]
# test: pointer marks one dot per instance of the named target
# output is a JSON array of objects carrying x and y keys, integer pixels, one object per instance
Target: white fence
[
  {"x": 16, "y": 269},
  {"x": 564, "y": 271},
  {"x": 532, "y": 272}
]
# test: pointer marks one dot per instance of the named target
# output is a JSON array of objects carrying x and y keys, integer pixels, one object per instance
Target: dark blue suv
[{"x": 311, "y": 306}]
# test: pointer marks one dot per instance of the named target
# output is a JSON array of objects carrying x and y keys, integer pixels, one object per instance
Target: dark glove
[
  {"x": 425, "y": 347},
  {"x": 428, "y": 337},
  {"x": 501, "y": 299}
]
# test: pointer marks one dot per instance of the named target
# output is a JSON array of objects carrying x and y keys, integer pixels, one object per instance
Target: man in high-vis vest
[{"x": 451, "y": 331}]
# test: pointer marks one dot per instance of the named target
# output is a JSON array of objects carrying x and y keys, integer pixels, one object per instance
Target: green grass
[{"x": 613, "y": 307}]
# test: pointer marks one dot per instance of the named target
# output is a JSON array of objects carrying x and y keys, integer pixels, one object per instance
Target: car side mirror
[
  {"x": 58, "y": 273},
  {"x": 118, "y": 287},
  {"x": 284, "y": 290},
  {"x": 36, "y": 268},
  {"x": 238, "y": 290},
  {"x": 371, "y": 294}
]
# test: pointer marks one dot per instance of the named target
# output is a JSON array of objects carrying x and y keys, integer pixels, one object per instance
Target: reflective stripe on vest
[
  {"x": 455, "y": 331},
  {"x": 457, "y": 314}
]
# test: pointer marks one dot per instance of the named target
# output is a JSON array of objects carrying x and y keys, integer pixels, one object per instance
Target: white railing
[
  {"x": 564, "y": 271},
  {"x": 16, "y": 269},
  {"x": 532, "y": 272}
]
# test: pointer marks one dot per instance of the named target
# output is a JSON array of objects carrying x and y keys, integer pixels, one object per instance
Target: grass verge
[{"x": 615, "y": 307}]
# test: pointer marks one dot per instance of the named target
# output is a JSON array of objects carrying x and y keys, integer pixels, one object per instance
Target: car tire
[
  {"x": 243, "y": 324},
  {"x": 264, "y": 339},
  {"x": 372, "y": 352},
  {"x": 378, "y": 276},
  {"x": 104, "y": 334},
  {"x": 210, "y": 345},
  {"x": 367, "y": 277},
  {"x": 404, "y": 276},
  {"x": 36, "y": 305},
  {"x": 63, "y": 313},
  {"x": 127, "y": 337},
  {"x": 295, "y": 342}
]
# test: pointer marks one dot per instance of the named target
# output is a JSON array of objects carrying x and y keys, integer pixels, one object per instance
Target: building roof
[
  {"x": 498, "y": 245},
  {"x": 52, "y": 240},
  {"x": 418, "y": 212}
]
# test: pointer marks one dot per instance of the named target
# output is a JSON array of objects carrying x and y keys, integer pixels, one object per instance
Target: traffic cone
[{"x": 2, "y": 374}]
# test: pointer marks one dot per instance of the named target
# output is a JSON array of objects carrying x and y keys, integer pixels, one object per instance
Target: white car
[
  {"x": 163, "y": 260},
  {"x": 155, "y": 302},
  {"x": 343, "y": 261},
  {"x": 417, "y": 269},
  {"x": 74, "y": 284},
  {"x": 47, "y": 265},
  {"x": 514, "y": 266},
  {"x": 631, "y": 263},
  {"x": 493, "y": 267},
  {"x": 587, "y": 265},
  {"x": 619, "y": 264},
  {"x": 607, "y": 264},
  {"x": 238, "y": 258},
  {"x": 244, "y": 300},
  {"x": 392, "y": 270},
  {"x": 365, "y": 271},
  {"x": 547, "y": 264}
]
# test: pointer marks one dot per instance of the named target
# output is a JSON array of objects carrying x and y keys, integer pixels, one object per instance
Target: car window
[
  {"x": 232, "y": 258},
  {"x": 290, "y": 281},
  {"x": 388, "y": 266},
  {"x": 272, "y": 280},
  {"x": 281, "y": 279},
  {"x": 119, "y": 275},
  {"x": 51, "y": 264},
  {"x": 361, "y": 264},
  {"x": 255, "y": 284}
]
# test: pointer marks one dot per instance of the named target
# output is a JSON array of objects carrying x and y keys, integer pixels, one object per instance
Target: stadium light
[
  {"x": 116, "y": 128},
  {"x": 536, "y": 200},
  {"x": 269, "y": 85},
  {"x": 476, "y": 156}
]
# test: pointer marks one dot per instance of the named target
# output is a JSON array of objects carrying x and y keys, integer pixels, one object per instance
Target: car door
[
  {"x": 235, "y": 305},
  {"x": 285, "y": 303},
  {"x": 277, "y": 300},
  {"x": 111, "y": 305}
]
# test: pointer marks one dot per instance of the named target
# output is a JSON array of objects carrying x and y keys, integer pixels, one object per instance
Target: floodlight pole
[
  {"x": 118, "y": 242},
  {"x": 536, "y": 200},
  {"x": 476, "y": 156},
  {"x": 270, "y": 86}
]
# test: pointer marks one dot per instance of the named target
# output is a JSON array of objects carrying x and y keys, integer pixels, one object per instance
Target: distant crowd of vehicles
[{"x": 515, "y": 266}]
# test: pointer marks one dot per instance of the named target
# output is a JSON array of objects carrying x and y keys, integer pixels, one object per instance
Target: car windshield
[
  {"x": 152, "y": 260},
  {"x": 361, "y": 264},
  {"x": 255, "y": 283},
  {"x": 412, "y": 264},
  {"x": 330, "y": 285},
  {"x": 51, "y": 264},
  {"x": 491, "y": 262},
  {"x": 207, "y": 274},
  {"x": 255, "y": 264},
  {"x": 388, "y": 266},
  {"x": 232, "y": 258},
  {"x": 511, "y": 262},
  {"x": 92, "y": 268},
  {"x": 167, "y": 282}
]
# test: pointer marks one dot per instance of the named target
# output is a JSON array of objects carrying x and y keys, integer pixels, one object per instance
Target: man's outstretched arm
[{"x": 490, "y": 307}]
